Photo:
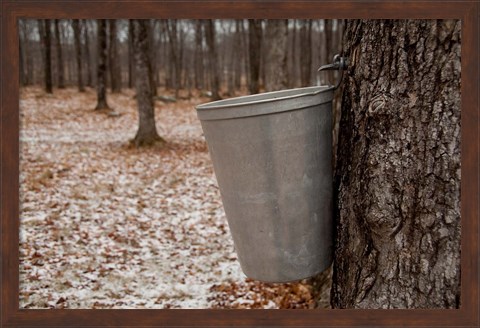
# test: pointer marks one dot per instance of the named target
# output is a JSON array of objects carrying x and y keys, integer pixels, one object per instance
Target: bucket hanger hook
[{"x": 339, "y": 64}]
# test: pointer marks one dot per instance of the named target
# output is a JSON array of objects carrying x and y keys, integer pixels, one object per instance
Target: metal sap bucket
[{"x": 272, "y": 157}]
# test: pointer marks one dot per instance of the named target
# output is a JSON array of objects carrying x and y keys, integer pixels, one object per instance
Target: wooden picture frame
[{"x": 13, "y": 10}]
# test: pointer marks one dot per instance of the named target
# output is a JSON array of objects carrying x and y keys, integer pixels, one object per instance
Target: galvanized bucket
[{"x": 272, "y": 157}]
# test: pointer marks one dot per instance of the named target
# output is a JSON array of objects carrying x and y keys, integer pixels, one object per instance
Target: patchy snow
[{"x": 104, "y": 225}]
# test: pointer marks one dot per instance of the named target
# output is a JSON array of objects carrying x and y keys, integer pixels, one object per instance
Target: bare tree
[
  {"x": 276, "y": 55},
  {"x": 398, "y": 169},
  {"x": 245, "y": 53},
  {"x": 199, "y": 79},
  {"x": 102, "y": 65},
  {"x": 131, "y": 60},
  {"x": 328, "y": 53},
  {"x": 24, "y": 30},
  {"x": 45, "y": 37},
  {"x": 87, "y": 56},
  {"x": 174, "y": 53},
  {"x": 60, "y": 70},
  {"x": 306, "y": 56},
  {"x": 147, "y": 131},
  {"x": 151, "y": 58},
  {"x": 113, "y": 58},
  {"x": 237, "y": 50},
  {"x": 78, "y": 52},
  {"x": 210, "y": 38},
  {"x": 254, "y": 47},
  {"x": 21, "y": 44}
]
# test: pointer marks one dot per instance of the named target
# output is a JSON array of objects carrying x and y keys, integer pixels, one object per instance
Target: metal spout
[{"x": 339, "y": 64}]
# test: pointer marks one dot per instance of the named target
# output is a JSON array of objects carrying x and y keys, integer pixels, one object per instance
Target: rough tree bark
[
  {"x": 212, "y": 49},
  {"x": 254, "y": 47},
  {"x": 78, "y": 54},
  {"x": 45, "y": 36},
  {"x": 398, "y": 169},
  {"x": 113, "y": 58},
  {"x": 60, "y": 70},
  {"x": 276, "y": 54},
  {"x": 102, "y": 65},
  {"x": 147, "y": 131}
]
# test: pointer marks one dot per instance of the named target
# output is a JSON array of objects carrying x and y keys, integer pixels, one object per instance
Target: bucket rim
[{"x": 231, "y": 102}]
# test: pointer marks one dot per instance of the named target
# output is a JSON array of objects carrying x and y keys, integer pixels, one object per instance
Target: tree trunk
[
  {"x": 114, "y": 60},
  {"x": 295, "y": 74},
  {"x": 24, "y": 30},
  {"x": 198, "y": 60},
  {"x": 131, "y": 60},
  {"x": 78, "y": 54},
  {"x": 254, "y": 46},
  {"x": 276, "y": 55},
  {"x": 237, "y": 48},
  {"x": 306, "y": 54},
  {"x": 147, "y": 132},
  {"x": 246, "y": 52},
  {"x": 181, "y": 52},
  {"x": 102, "y": 65},
  {"x": 398, "y": 169},
  {"x": 87, "y": 57},
  {"x": 174, "y": 56},
  {"x": 60, "y": 70},
  {"x": 23, "y": 74},
  {"x": 45, "y": 36},
  {"x": 328, "y": 54},
  {"x": 151, "y": 57},
  {"x": 212, "y": 49}
]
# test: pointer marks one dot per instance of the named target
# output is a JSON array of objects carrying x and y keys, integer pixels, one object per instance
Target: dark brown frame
[{"x": 11, "y": 11}]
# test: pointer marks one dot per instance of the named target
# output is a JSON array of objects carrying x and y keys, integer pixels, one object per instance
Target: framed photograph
[{"x": 131, "y": 131}]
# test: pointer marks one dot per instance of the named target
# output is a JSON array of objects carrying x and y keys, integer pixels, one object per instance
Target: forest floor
[{"x": 106, "y": 225}]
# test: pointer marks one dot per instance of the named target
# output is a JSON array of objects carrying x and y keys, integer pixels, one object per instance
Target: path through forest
[{"x": 105, "y": 225}]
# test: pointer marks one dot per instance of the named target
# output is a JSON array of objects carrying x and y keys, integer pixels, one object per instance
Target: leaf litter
[{"x": 105, "y": 225}]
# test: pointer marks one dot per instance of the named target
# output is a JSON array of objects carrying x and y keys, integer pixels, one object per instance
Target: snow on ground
[{"x": 104, "y": 225}]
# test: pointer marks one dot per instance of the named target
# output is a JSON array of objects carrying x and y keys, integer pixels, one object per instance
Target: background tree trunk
[
  {"x": 254, "y": 47},
  {"x": 78, "y": 51},
  {"x": 23, "y": 74},
  {"x": 87, "y": 57},
  {"x": 45, "y": 36},
  {"x": 151, "y": 57},
  {"x": 174, "y": 55},
  {"x": 28, "y": 58},
  {"x": 60, "y": 70},
  {"x": 306, "y": 52},
  {"x": 276, "y": 55},
  {"x": 147, "y": 132},
  {"x": 131, "y": 60},
  {"x": 115, "y": 75},
  {"x": 398, "y": 169},
  {"x": 237, "y": 49},
  {"x": 213, "y": 58},
  {"x": 102, "y": 65},
  {"x": 328, "y": 53},
  {"x": 198, "y": 60}
]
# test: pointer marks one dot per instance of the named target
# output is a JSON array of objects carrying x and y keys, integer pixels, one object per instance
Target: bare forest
[{"x": 119, "y": 205}]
